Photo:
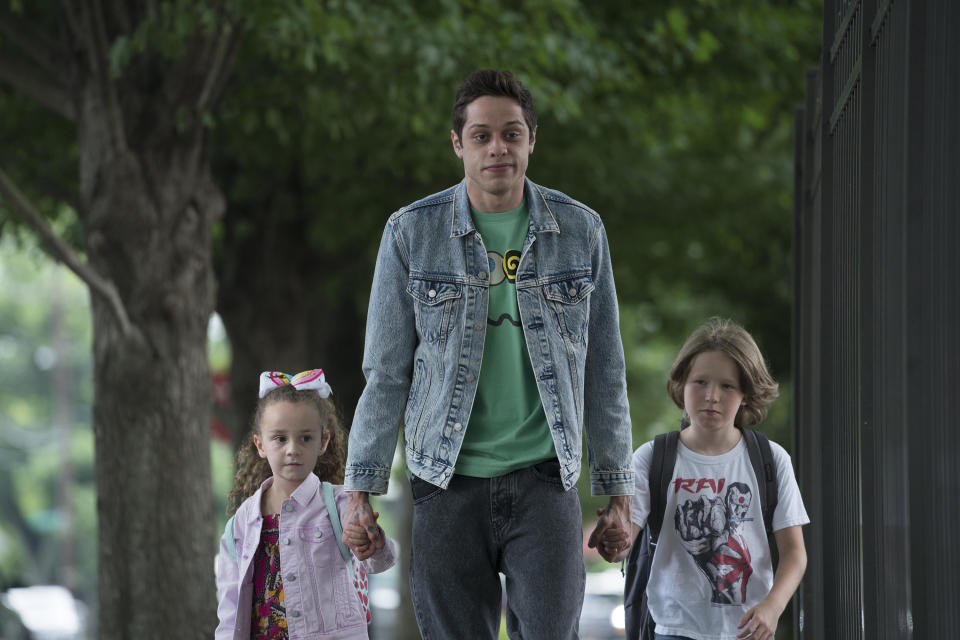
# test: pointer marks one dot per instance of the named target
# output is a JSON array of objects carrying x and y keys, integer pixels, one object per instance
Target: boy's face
[
  {"x": 495, "y": 148},
  {"x": 712, "y": 395}
]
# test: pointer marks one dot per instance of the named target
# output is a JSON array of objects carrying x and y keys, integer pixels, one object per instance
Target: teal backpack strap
[
  {"x": 229, "y": 540},
  {"x": 359, "y": 577},
  {"x": 331, "y": 502}
]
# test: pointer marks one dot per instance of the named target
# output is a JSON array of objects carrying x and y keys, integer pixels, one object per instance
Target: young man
[{"x": 492, "y": 335}]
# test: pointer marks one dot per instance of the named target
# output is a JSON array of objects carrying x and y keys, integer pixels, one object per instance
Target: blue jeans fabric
[{"x": 524, "y": 525}]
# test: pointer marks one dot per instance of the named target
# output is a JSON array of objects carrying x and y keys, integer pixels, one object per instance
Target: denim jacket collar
[
  {"x": 302, "y": 495},
  {"x": 541, "y": 218}
]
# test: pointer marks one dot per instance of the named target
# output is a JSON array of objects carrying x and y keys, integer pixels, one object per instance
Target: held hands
[
  {"x": 360, "y": 530},
  {"x": 612, "y": 533},
  {"x": 355, "y": 537}
]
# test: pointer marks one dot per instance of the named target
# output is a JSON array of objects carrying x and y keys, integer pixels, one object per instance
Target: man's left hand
[{"x": 612, "y": 533}]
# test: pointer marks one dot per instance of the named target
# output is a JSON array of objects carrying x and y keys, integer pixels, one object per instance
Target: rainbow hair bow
[{"x": 312, "y": 379}]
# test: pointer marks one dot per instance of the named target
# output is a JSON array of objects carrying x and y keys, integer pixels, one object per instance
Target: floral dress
[{"x": 268, "y": 620}]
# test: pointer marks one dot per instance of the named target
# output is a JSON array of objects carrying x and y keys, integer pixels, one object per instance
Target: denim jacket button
[
  {"x": 482, "y": 275},
  {"x": 572, "y": 292},
  {"x": 432, "y": 293},
  {"x": 478, "y": 327},
  {"x": 458, "y": 427},
  {"x": 470, "y": 377}
]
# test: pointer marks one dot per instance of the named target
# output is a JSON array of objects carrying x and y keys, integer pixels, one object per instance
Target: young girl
[
  {"x": 712, "y": 575},
  {"x": 287, "y": 578}
]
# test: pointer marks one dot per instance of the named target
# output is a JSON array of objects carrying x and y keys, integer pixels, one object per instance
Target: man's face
[{"x": 495, "y": 147}]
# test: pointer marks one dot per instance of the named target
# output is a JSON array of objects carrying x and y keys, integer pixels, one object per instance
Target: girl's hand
[
  {"x": 356, "y": 537},
  {"x": 760, "y": 623}
]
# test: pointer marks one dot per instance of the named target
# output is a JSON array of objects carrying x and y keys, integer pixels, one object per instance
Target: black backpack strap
[
  {"x": 761, "y": 457},
  {"x": 660, "y": 475}
]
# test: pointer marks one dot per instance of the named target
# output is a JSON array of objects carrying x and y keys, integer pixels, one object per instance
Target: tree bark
[
  {"x": 149, "y": 204},
  {"x": 152, "y": 406},
  {"x": 151, "y": 217}
]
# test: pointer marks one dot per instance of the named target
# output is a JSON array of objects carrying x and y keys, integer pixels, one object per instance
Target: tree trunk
[
  {"x": 147, "y": 204},
  {"x": 150, "y": 222},
  {"x": 150, "y": 205}
]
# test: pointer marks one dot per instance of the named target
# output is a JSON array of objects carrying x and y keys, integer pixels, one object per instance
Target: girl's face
[
  {"x": 291, "y": 439},
  {"x": 712, "y": 394}
]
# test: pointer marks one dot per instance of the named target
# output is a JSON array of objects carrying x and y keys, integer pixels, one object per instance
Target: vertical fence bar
[
  {"x": 933, "y": 309},
  {"x": 806, "y": 361},
  {"x": 877, "y": 322},
  {"x": 841, "y": 332}
]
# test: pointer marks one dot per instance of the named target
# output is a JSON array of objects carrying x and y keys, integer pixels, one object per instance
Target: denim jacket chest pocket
[
  {"x": 435, "y": 304},
  {"x": 568, "y": 300},
  {"x": 319, "y": 546}
]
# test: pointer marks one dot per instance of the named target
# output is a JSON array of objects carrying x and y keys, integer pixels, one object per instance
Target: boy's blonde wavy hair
[
  {"x": 729, "y": 338},
  {"x": 252, "y": 470}
]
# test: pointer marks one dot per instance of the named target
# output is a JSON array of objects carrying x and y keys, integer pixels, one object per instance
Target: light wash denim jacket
[
  {"x": 320, "y": 600},
  {"x": 426, "y": 324}
]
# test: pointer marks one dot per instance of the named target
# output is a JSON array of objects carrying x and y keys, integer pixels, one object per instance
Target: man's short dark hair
[{"x": 492, "y": 82}]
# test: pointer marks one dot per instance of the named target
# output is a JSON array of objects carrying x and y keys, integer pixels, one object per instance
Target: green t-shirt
[{"x": 508, "y": 429}]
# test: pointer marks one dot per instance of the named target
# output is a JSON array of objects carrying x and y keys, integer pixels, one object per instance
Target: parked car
[
  {"x": 47, "y": 612},
  {"x": 602, "y": 615}
]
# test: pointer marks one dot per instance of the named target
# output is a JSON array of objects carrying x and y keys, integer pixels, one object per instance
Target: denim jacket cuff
[
  {"x": 370, "y": 479},
  {"x": 611, "y": 483}
]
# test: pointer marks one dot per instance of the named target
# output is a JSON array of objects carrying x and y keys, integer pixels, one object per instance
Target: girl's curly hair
[{"x": 252, "y": 470}]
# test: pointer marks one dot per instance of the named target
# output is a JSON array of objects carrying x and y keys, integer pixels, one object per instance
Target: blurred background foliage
[{"x": 672, "y": 119}]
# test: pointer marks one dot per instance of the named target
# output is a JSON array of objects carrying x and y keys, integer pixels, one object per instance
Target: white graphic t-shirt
[{"x": 713, "y": 561}]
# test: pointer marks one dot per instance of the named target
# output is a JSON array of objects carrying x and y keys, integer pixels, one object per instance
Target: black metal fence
[{"x": 877, "y": 322}]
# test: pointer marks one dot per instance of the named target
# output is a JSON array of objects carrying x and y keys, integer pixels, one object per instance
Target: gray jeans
[{"x": 523, "y": 525}]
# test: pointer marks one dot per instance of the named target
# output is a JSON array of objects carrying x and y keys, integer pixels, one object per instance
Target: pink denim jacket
[{"x": 320, "y": 599}]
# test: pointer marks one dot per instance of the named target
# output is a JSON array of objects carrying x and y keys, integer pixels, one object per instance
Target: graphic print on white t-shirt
[{"x": 709, "y": 529}]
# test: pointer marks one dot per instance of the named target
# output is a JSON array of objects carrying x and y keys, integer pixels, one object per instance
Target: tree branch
[
  {"x": 61, "y": 251},
  {"x": 98, "y": 52},
  {"x": 30, "y": 84},
  {"x": 43, "y": 50},
  {"x": 221, "y": 66}
]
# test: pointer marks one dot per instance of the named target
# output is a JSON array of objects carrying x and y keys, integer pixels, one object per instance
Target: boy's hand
[
  {"x": 612, "y": 533},
  {"x": 760, "y": 623},
  {"x": 361, "y": 515}
]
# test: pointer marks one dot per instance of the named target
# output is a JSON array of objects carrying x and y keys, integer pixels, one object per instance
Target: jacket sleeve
[
  {"x": 228, "y": 588},
  {"x": 382, "y": 559},
  {"x": 391, "y": 339},
  {"x": 606, "y": 411}
]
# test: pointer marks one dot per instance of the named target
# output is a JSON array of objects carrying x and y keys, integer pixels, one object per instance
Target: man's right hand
[{"x": 360, "y": 513}]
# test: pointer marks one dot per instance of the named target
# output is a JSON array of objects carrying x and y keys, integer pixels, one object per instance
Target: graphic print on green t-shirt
[{"x": 507, "y": 429}]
